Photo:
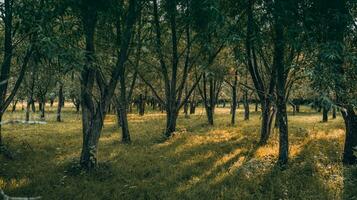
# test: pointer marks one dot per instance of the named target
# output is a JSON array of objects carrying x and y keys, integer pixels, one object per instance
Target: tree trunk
[
  {"x": 185, "y": 109},
  {"x": 60, "y": 103},
  {"x": 123, "y": 106},
  {"x": 28, "y": 107},
  {"x": 334, "y": 114},
  {"x": 43, "y": 105},
  {"x": 77, "y": 104},
  {"x": 192, "y": 107},
  {"x": 1, "y": 142},
  {"x": 8, "y": 53},
  {"x": 117, "y": 108},
  {"x": 185, "y": 106},
  {"x": 298, "y": 108},
  {"x": 325, "y": 111},
  {"x": 256, "y": 105},
  {"x": 39, "y": 105},
  {"x": 246, "y": 105},
  {"x": 171, "y": 120},
  {"x": 266, "y": 121},
  {"x": 349, "y": 154},
  {"x": 14, "y": 106},
  {"x": 141, "y": 105},
  {"x": 33, "y": 105},
  {"x": 234, "y": 98},
  {"x": 210, "y": 115},
  {"x": 92, "y": 127},
  {"x": 281, "y": 77},
  {"x": 294, "y": 108}
]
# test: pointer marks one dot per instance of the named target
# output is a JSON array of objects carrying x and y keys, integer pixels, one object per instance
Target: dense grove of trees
[{"x": 107, "y": 56}]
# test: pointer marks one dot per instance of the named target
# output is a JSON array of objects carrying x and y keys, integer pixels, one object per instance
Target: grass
[{"x": 198, "y": 162}]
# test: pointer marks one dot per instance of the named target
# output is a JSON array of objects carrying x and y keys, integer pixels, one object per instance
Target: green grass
[{"x": 198, "y": 162}]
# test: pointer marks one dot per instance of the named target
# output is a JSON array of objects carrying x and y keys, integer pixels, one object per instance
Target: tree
[
  {"x": 330, "y": 22},
  {"x": 93, "y": 113},
  {"x": 6, "y": 65},
  {"x": 174, "y": 84}
]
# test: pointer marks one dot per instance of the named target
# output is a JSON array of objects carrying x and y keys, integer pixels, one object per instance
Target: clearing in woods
[{"x": 198, "y": 162}]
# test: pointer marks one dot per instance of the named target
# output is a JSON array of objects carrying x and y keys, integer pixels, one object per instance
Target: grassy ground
[{"x": 198, "y": 162}]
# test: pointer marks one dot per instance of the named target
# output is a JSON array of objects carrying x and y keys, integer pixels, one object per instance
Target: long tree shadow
[{"x": 311, "y": 174}]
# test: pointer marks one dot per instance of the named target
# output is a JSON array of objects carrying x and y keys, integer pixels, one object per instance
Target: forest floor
[{"x": 198, "y": 162}]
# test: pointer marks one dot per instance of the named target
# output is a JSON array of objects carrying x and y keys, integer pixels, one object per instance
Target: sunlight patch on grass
[{"x": 14, "y": 183}]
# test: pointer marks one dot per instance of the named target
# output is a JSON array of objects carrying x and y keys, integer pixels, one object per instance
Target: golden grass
[{"x": 198, "y": 162}]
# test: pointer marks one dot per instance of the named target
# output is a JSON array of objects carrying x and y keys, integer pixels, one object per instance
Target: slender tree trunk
[
  {"x": 28, "y": 108},
  {"x": 266, "y": 122},
  {"x": 334, "y": 113},
  {"x": 210, "y": 115},
  {"x": 349, "y": 153},
  {"x": 192, "y": 107},
  {"x": 193, "y": 103},
  {"x": 14, "y": 106},
  {"x": 325, "y": 111},
  {"x": 33, "y": 105},
  {"x": 185, "y": 109},
  {"x": 294, "y": 109},
  {"x": 185, "y": 106},
  {"x": 43, "y": 105},
  {"x": 256, "y": 105},
  {"x": 60, "y": 103},
  {"x": 1, "y": 142},
  {"x": 246, "y": 105},
  {"x": 234, "y": 98},
  {"x": 141, "y": 105},
  {"x": 280, "y": 87},
  {"x": 123, "y": 106},
  {"x": 39, "y": 105},
  {"x": 124, "y": 125},
  {"x": 77, "y": 104},
  {"x": 8, "y": 53}
]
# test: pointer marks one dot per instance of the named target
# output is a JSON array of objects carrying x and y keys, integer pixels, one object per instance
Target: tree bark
[
  {"x": 60, "y": 103},
  {"x": 266, "y": 122},
  {"x": 43, "y": 105},
  {"x": 334, "y": 113},
  {"x": 279, "y": 47},
  {"x": 28, "y": 107},
  {"x": 350, "y": 147},
  {"x": 141, "y": 105},
  {"x": 256, "y": 105},
  {"x": 246, "y": 105},
  {"x": 14, "y": 106},
  {"x": 123, "y": 107},
  {"x": 171, "y": 120},
  {"x": 185, "y": 106},
  {"x": 298, "y": 108},
  {"x": 8, "y": 52},
  {"x": 193, "y": 104},
  {"x": 234, "y": 98},
  {"x": 325, "y": 111}
]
